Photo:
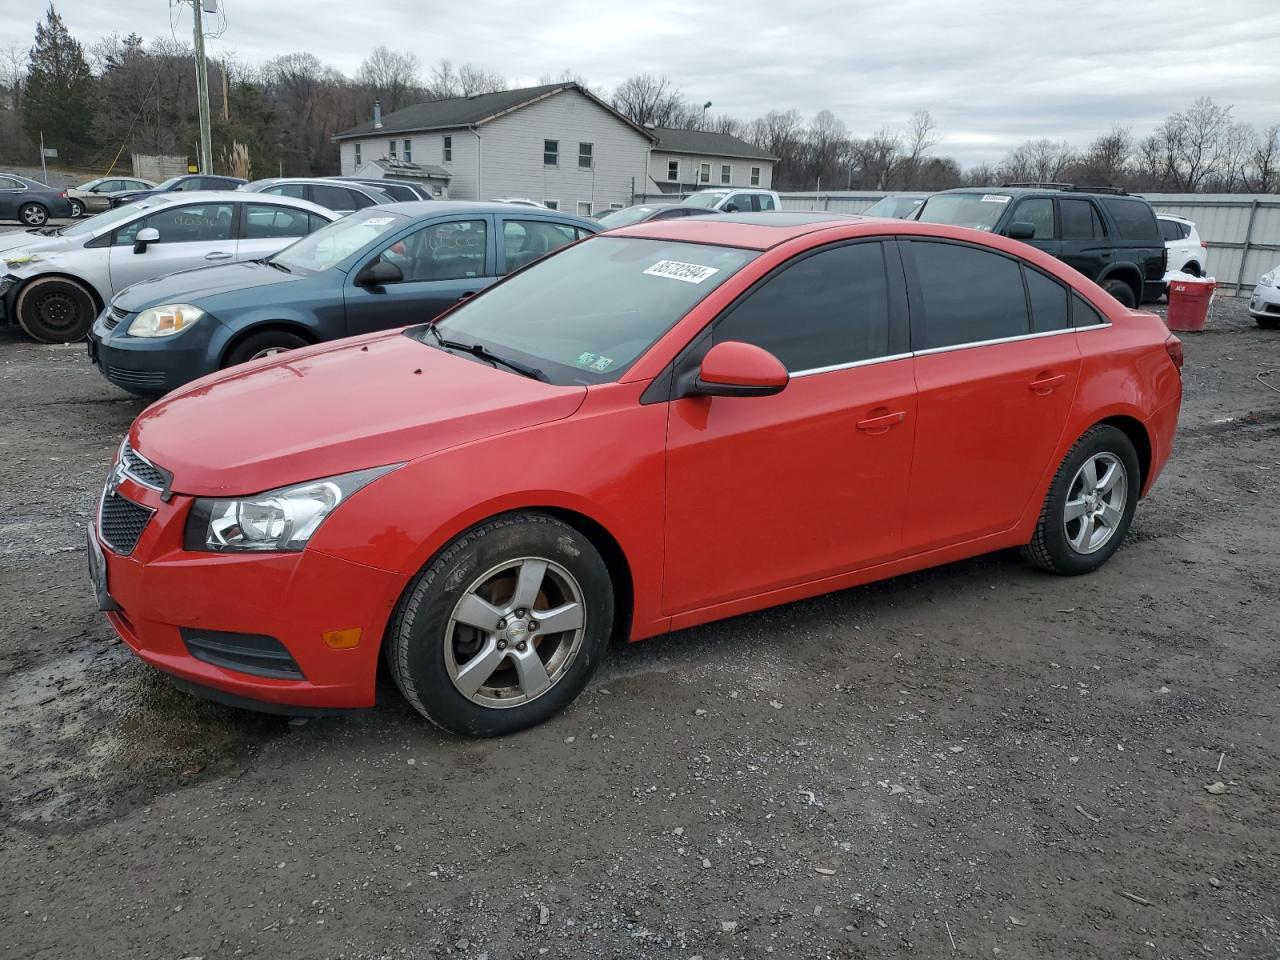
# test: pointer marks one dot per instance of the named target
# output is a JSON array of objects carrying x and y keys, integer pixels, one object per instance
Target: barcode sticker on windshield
[
  {"x": 675, "y": 270},
  {"x": 378, "y": 221},
  {"x": 995, "y": 198}
]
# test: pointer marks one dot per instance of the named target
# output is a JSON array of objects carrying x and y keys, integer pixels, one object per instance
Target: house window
[
  {"x": 726, "y": 173},
  {"x": 755, "y": 176},
  {"x": 673, "y": 170},
  {"x": 551, "y": 204},
  {"x": 584, "y": 208},
  {"x": 357, "y": 156},
  {"x": 448, "y": 149},
  {"x": 704, "y": 173},
  {"x": 584, "y": 155},
  {"x": 551, "y": 153},
  {"x": 391, "y": 154},
  {"x": 408, "y": 151}
]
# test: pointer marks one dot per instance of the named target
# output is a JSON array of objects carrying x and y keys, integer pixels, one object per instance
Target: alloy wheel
[
  {"x": 33, "y": 215},
  {"x": 515, "y": 632},
  {"x": 268, "y": 352},
  {"x": 1095, "y": 503}
]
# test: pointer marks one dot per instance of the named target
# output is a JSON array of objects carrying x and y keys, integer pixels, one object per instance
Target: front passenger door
[
  {"x": 1038, "y": 211},
  {"x": 769, "y": 492},
  {"x": 441, "y": 263},
  {"x": 192, "y": 235}
]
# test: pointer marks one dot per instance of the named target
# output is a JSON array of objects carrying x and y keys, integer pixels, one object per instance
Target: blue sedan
[
  {"x": 185, "y": 183},
  {"x": 31, "y": 202},
  {"x": 381, "y": 267}
]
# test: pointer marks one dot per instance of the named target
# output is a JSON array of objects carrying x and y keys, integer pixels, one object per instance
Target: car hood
[
  {"x": 20, "y": 240},
  {"x": 334, "y": 408},
  {"x": 202, "y": 283}
]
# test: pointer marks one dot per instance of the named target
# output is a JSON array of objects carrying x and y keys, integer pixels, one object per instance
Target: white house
[
  {"x": 557, "y": 143},
  {"x": 683, "y": 161}
]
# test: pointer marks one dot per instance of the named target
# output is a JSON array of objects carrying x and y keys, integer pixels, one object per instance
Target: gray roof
[
  {"x": 707, "y": 144},
  {"x": 468, "y": 111},
  {"x": 403, "y": 168}
]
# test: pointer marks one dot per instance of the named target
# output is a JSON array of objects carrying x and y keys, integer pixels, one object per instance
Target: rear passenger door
[
  {"x": 996, "y": 366},
  {"x": 766, "y": 492},
  {"x": 268, "y": 227},
  {"x": 1084, "y": 236}
]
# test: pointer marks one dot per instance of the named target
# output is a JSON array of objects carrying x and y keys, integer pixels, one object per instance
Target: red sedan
[{"x": 651, "y": 429}]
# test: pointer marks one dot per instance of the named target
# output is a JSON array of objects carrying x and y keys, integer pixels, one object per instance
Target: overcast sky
[{"x": 992, "y": 72}]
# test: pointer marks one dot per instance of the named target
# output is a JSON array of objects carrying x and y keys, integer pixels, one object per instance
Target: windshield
[
  {"x": 981, "y": 211},
  {"x": 88, "y": 185},
  {"x": 334, "y": 243},
  {"x": 706, "y": 198},
  {"x": 108, "y": 218},
  {"x": 625, "y": 216},
  {"x": 168, "y": 184},
  {"x": 584, "y": 314},
  {"x": 896, "y": 207}
]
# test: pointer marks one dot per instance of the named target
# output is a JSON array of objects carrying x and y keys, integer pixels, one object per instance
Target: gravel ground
[{"x": 979, "y": 760}]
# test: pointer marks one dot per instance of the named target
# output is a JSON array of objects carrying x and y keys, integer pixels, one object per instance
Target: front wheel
[
  {"x": 504, "y": 628},
  {"x": 1122, "y": 292},
  {"x": 265, "y": 344},
  {"x": 54, "y": 310},
  {"x": 1090, "y": 504}
]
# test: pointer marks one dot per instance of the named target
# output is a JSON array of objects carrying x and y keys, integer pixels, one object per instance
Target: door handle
[
  {"x": 882, "y": 422},
  {"x": 217, "y": 255},
  {"x": 1045, "y": 382}
]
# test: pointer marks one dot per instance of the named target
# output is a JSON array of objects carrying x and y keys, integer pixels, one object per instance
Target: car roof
[
  {"x": 756, "y": 231},
  {"x": 154, "y": 201},
  {"x": 440, "y": 208},
  {"x": 1170, "y": 216}
]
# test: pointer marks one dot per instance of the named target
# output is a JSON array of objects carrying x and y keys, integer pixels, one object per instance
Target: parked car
[
  {"x": 730, "y": 200},
  {"x": 387, "y": 267},
  {"x": 661, "y": 426},
  {"x": 31, "y": 202},
  {"x": 644, "y": 212},
  {"x": 57, "y": 281},
  {"x": 897, "y": 206},
  {"x": 521, "y": 201},
  {"x": 1109, "y": 236},
  {"x": 341, "y": 198},
  {"x": 1264, "y": 305},
  {"x": 1187, "y": 252},
  {"x": 187, "y": 183},
  {"x": 96, "y": 195},
  {"x": 398, "y": 190}
]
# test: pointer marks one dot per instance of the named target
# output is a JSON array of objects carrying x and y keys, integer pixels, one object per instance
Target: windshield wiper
[
  {"x": 278, "y": 266},
  {"x": 484, "y": 353}
]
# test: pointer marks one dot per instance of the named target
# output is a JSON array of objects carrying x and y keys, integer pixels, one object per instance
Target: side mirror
[
  {"x": 1021, "y": 230},
  {"x": 735, "y": 369},
  {"x": 377, "y": 273},
  {"x": 730, "y": 208},
  {"x": 145, "y": 235}
]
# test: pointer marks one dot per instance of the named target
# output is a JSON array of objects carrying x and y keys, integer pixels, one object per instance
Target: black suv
[{"x": 1109, "y": 236}]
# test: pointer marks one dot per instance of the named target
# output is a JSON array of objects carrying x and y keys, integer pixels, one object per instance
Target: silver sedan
[{"x": 57, "y": 279}]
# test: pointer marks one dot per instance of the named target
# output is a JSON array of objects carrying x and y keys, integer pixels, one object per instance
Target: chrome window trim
[{"x": 849, "y": 366}]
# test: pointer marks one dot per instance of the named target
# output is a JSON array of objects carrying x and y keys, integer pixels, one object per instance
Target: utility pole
[{"x": 202, "y": 90}]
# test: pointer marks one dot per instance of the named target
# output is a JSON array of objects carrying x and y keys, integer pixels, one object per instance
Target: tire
[
  {"x": 1121, "y": 291},
  {"x": 264, "y": 344},
  {"x": 1192, "y": 268},
  {"x": 429, "y": 644},
  {"x": 1268, "y": 323},
  {"x": 33, "y": 214},
  {"x": 55, "y": 310},
  {"x": 1065, "y": 546},
  {"x": 77, "y": 211}
]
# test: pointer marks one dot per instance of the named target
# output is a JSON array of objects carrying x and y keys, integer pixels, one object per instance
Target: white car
[
  {"x": 1264, "y": 306},
  {"x": 1187, "y": 252},
  {"x": 56, "y": 280},
  {"x": 734, "y": 200},
  {"x": 521, "y": 201}
]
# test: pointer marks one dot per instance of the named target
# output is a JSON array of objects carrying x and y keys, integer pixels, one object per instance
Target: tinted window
[
  {"x": 297, "y": 190},
  {"x": 524, "y": 241},
  {"x": 1048, "y": 302},
  {"x": 193, "y": 223},
  {"x": 1083, "y": 314},
  {"x": 969, "y": 294},
  {"x": 740, "y": 202},
  {"x": 264, "y": 221},
  {"x": 1171, "y": 230},
  {"x": 440, "y": 251},
  {"x": 1039, "y": 213},
  {"x": 766, "y": 202},
  {"x": 335, "y": 198},
  {"x": 825, "y": 309},
  {"x": 1134, "y": 219},
  {"x": 1080, "y": 220}
]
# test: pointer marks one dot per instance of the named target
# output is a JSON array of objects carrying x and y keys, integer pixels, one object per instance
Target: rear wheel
[
  {"x": 1192, "y": 268},
  {"x": 1090, "y": 504},
  {"x": 33, "y": 214},
  {"x": 265, "y": 344},
  {"x": 1121, "y": 291},
  {"x": 504, "y": 628},
  {"x": 55, "y": 310}
]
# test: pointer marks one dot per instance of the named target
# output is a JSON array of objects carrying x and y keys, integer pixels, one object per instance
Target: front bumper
[
  {"x": 1265, "y": 302},
  {"x": 150, "y": 366},
  {"x": 160, "y": 590}
]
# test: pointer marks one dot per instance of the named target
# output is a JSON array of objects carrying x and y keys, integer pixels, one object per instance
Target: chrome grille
[
  {"x": 113, "y": 317},
  {"x": 142, "y": 469},
  {"x": 121, "y": 522}
]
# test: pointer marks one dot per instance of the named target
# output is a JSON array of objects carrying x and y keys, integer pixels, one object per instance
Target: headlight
[
  {"x": 20, "y": 259},
  {"x": 283, "y": 519},
  {"x": 1268, "y": 279},
  {"x": 164, "y": 321}
]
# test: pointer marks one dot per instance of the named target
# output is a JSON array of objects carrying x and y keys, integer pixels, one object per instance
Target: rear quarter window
[{"x": 1134, "y": 219}]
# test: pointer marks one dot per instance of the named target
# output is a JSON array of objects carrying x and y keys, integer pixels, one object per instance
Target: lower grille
[
  {"x": 121, "y": 522},
  {"x": 246, "y": 652},
  {"x": 135, "y": 378}
]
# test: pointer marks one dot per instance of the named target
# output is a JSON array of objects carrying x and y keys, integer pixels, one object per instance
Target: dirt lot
[{"x": 980, "y": 760}]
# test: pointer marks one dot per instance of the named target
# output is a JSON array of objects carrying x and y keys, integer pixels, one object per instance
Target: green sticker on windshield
[{"x": 585, "y": 360}]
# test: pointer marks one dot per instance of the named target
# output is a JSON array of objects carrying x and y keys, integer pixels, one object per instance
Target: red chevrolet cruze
[{"x": 651, "y": 429}]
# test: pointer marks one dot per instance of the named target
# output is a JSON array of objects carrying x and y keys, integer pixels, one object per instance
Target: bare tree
[
  {"x": 877, "y": 157},
  {"x": 446, "y": 81},
  {"x": 651, "y": 100},
  {"x": 392, "y": 77},
  {"x": 920, "y": 138},
  {"x": 1106, "y": 162},
  {"x": 1194, "y": 141},
  {"x": 1038, "y": 161},
  {"x": 1264, "y": 163}
]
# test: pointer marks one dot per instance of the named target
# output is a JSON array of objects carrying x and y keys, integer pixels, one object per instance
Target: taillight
[
  {"x": 1173, "y": 346},
  {"x": 1203, "y": 244},
  {"x": 1164, "y": 261},
  {"x": 63, "y": 194}
]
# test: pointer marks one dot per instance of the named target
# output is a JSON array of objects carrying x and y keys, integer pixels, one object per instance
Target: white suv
[
  {"x": 1187, "y": 251},
  {"x": 1264, "y": 307},
  {"x": 730, "y": 200}
]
